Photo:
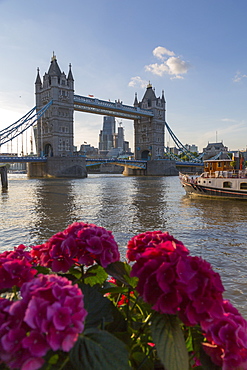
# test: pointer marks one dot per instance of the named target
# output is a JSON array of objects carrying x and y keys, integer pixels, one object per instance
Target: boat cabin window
[
  {"x": 227, "y": 184},
  {"x": 243, "y": 185},
  {"x": 219, "y": 164}
]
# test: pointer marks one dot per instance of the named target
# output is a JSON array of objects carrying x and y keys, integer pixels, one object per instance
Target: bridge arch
[
  {"x": 48, "y": 150},
  {"x": 145, "y": 154}
]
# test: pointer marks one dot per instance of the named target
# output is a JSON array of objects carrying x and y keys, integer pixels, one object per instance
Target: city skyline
[{"x": 192, "y": 50}]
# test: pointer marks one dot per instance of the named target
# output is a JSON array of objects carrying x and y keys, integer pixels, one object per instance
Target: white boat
[{"x": 219, "y": 179}]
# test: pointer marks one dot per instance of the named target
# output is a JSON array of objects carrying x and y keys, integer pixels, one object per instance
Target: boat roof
[{"x": 218, "y": 160}]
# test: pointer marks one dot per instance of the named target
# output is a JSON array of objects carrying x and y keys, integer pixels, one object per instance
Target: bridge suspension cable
[
  {"x": 180, "y": 145},
  {"x": 18, "y": 127}
]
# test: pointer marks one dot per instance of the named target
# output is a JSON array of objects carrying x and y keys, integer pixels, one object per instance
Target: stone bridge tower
[
  {"x": 55, "y": 128},
  {"x": 150, "y": 132},
  {"x": 54, "y": 136}
]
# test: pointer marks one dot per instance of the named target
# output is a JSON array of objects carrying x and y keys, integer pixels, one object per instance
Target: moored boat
[{"x": 219, "y": 179}]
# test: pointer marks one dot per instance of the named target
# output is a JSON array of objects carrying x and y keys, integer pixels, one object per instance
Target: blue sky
[{"x": 194, "y": 50}]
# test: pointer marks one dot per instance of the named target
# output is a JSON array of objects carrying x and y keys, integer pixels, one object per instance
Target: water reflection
[
  {"x": 54, "y": 208},
  {"x": 149, "y": 201}
]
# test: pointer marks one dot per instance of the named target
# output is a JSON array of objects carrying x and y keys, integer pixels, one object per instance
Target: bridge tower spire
[
  {"x": 55, "y": 129},
  {"x": 150, "y": 132}
]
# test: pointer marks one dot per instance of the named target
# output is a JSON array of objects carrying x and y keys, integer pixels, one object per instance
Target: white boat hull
[{"x": 215, "y": 187}]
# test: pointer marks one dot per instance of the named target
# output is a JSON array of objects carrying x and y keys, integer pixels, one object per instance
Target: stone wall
[
  {"x": 69, "y": 167},
  {"x": 160, "y": 167}
]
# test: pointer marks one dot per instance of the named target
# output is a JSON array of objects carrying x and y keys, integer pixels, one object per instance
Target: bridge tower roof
[
  {"x": 149, "y": 94},
  {"x": 54, "y": 69}
]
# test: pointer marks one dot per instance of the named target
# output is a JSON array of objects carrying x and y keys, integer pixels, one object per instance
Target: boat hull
[{"x": 214, "y": 190}]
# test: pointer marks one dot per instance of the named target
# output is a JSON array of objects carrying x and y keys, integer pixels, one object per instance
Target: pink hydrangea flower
[
  {"x": 201, "y": 289},
  {"x": 227, "y": 338},
  {"x": 172, "y": 281},
  {"x": 49, "y": 316},
  {"x": 158, "y": 279},
  {"x": 80, "y": 243},
  {"x": 151, "y": 239},
  {"x": 15, "y": 268}
]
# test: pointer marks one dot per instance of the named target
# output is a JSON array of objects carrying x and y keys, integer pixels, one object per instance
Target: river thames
[{"x": 32, "y": 210}]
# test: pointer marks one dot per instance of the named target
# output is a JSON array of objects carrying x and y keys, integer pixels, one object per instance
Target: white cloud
[
  {"x": 177, "y": 66},
  {"x": 171, "y": 64},
  {"x": 157, "y": 69},
  {"x": 137, "y": 81},
  {"x": 239, "y": 77},
  {"x": 160, "y": 51},
  {"x": 228, "y": 120}
]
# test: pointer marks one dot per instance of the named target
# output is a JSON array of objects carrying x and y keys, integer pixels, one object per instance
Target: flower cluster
[
  {"x": 227, "y": 339},
  {"x": 50, "y": 315},
  {"x": 151, "y": 239},
  {"x": 174, "y": 282},
  {"x": 80, "y": 243},
  {"x": 15, "y": 268}
]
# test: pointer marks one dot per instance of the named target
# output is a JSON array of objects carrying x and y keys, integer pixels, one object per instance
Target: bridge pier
[
  {"x": 65, "y": 167},
  {"x": 159, "y": 167},
  {"x": 4, "y": 178}
]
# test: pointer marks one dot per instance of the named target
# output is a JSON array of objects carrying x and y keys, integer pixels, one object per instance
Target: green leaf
[
  {"x": 95, "y": 275},
  {"x": 141, "y": 361},
  {"x": 75, "y": 271},
  {"x": 118, "y": 324},
  {"x": 99, "y": 308},
  {"x": 42, "y": 270},
  {"x": 170, "y": 343},
  {"x": 121, "y": 271},
  {"x": 99, "y": 350},
  {"x": 115, "y": 290}
]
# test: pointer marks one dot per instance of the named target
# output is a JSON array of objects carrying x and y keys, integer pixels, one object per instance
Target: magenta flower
[
  {"x": 49, "y": 316},
  {"x": 15, "y": 268},
  {"x": 227, "y": 335},
  {"x": 201, "y": 289},
  {"x": 158, "y": 280},
  {"x": 80, "y": 243},
  {"x": 151, "y": 239},
  {"x": 36, "y": 343}
]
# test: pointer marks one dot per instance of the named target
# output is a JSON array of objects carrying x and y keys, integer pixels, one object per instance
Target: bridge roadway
[
  {"x": 131, "y": 163},
  {"x": 140, "y": 164},
  {"x": 117, "y": 109}
]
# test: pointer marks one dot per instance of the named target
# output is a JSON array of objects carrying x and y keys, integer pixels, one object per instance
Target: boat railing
[{"x": 225, "y": 174}]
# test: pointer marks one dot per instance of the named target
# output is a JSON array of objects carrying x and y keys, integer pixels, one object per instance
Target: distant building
[
  {"x": 173, "y": 150},
  {"x": 106, "y": 136},
  {"x": 191, "y": 148},
  {"x": 112, "y": 143},
  {"x": 88, "y": 150},
  {"x": 213, "y": 149}
]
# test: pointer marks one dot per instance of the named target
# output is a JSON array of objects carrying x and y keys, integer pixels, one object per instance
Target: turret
[{"x": 136, "y": 101}]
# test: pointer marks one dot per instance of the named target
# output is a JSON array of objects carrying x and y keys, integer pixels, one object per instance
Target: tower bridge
[{"x": 54, "y": 133}]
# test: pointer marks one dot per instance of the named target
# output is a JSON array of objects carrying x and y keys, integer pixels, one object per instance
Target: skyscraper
[{"x": 106, "y": 135}]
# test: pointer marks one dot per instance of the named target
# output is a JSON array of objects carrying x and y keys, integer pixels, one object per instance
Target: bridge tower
[
  {"x": 54, "y": 135},
  {"x": 55, "y": 128},
  {"x": 150, "y": 132}
]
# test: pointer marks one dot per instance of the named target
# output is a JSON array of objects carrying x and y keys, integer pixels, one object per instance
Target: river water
[{"x": 32, "y": 210}]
